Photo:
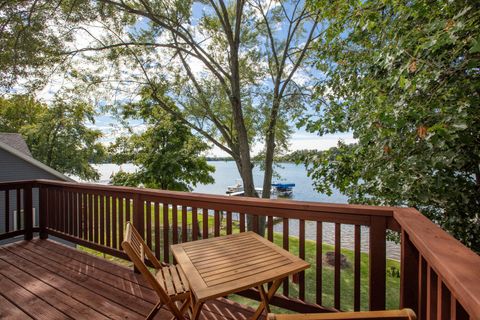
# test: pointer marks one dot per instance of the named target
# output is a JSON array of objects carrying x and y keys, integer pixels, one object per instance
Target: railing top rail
[
  {"x": 458, "y": 266},
  {"x": 10, "y": 185},
  {"x": 224, "y": 199}
]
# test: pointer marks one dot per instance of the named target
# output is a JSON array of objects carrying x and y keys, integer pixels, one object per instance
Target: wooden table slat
[{"x": 230, "y": 271}]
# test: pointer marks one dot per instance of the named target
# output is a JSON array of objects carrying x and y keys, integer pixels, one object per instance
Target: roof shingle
[{"x": 15, "y": 141}]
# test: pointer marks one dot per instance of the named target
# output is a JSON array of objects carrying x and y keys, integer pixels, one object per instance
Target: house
[{"x": 17, "y": 163}]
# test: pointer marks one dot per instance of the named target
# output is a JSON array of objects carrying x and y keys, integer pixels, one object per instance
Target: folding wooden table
[{"x": 220, "y": 266}]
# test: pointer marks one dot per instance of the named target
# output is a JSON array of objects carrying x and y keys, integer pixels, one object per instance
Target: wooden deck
[{"x": 42, "y": 279}]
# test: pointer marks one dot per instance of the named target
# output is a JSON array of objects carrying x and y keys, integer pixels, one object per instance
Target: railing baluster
[
  {"x": 128, "y": 208},
  {"x": 139, "y": 214},
  {"x": 255, "y": 223},
  {"x": 43, "y": 214},
  {"x": 84, "y": 215},
  {"x": 16, "y": 218},
  {"x": 184, "y": 224},
  {"x": 409, "y": 275},
  {"x": 108, "y": 219},
  {"x": 102, "y": 219},
  {"x": 301, "y": 251},
  {"x": 443, "y": 304},
  {"x": 336, "y": 286},
  {"x": 7, "y": 210},
  {"x": 377, "y": 262},
  {"x": 422, "y": 289},
  {"x": 431, "y": 294},
  {"x": 217, "y": 223},
  {"x": 148, "y": 230},
  {"x": 52, "y": 221},
  {"x": 270, "y": 228},
  {"x": 229, "y": 222},
  {"x": 286, "y": 247},
  {"x": 205, "y": 223},
  {"x": 175, "y": 223},
  {"x": 75, "y": 214},
  {"x": 357, "y": 274},
  {"x": 120, "y": 218},
  {"x": 28, "y": 212},
  {"x": 63, "y": 212},
  {"x": 66, "y": 214},
  {"x": 157, "y": 230},
  {"x": 71, "y": 209},
  {"x": 90, "y": 217},
  {"x": 319, "y": 262},
  {"x": 242, "y": 222},
  {"x": 453, "y": 308},
  {"x": 117, "y": 212},
  {"x": 166, "y": 224},
  {"x": 96, "y": 218},
  {"x": 194, "y": 224}
]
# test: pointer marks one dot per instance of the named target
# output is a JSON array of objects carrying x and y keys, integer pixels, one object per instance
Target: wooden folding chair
[
  {"x": 168, "y": 281},
  {"x": 404, "y": 314}
]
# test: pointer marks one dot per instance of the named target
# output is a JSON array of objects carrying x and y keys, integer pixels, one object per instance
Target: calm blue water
[{"x": 226, "y": 174}]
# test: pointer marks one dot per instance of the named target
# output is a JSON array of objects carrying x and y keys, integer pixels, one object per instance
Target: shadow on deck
[{"x": 42, "y": 279}]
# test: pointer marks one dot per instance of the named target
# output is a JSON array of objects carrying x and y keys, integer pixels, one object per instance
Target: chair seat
[{"x": 173, "y": 281}]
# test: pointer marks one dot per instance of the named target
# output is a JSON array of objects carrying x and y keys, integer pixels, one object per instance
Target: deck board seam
[
  {"x": 85, "y": 287},
  {"x": 16, "y": 305},
  {"x": 55, "y": 288},
  {"x": 51, "y": 246},
  {"x": 27, "y": 268},
  {"x": 96, "y": 278},
  {"x": 26, "y": 289}
]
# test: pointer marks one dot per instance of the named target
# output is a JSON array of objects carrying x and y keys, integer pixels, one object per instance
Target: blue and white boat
[{"x": 284, "y": 189}]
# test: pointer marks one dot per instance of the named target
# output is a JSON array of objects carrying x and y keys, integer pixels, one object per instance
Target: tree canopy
[
  {"x": 59, "y": 135},
  {"x": 404, "y": 78},
  {"x": 167, "y": 154},
  {"x": 231, "y": 67}
]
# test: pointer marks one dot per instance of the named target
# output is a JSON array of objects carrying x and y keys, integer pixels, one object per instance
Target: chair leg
[
  {"x": 154, "y": 311},
  {"x": 175, "y": 310}
]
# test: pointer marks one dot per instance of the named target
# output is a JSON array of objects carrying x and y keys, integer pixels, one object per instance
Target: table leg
[
  {"x": 264, "y": 297},
  {"x": 265, "y": 304},
  {"x": 197, "y": 308}
]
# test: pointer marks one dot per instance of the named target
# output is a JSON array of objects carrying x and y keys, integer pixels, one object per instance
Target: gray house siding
[{"x": 13, "y": 168}]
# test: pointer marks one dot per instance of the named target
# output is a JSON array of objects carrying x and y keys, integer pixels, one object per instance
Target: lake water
[{"x": 226, "y": 174}]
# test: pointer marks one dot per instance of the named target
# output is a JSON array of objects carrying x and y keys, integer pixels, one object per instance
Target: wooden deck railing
[{"x": 440, "y": 278}]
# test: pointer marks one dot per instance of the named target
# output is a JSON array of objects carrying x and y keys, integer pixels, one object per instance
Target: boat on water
[
  {"x": 237, "y": 187},
  {"x": 279, "y": 189},
  {"x": 284, "y": 189}
]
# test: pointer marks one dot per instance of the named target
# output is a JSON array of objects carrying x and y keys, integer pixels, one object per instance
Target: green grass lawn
[
  {"x": 346, "y": 279},
  {"x": 346, "y": 274}
]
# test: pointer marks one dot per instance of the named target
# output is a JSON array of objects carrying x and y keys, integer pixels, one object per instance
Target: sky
[{"x": 300, "y": 140}]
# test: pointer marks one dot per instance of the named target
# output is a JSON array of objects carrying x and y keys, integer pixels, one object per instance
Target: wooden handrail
[
  {"x": 220, "y": 199},
  {"x": 456, "y": 265},
  {"x": 439, "y": 275}
]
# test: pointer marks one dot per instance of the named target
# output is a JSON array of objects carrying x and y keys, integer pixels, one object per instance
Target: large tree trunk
[{"x": 270, "y": 148}]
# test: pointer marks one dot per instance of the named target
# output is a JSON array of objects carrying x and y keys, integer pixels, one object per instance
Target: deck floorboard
[{"x": 42, "y": 279}]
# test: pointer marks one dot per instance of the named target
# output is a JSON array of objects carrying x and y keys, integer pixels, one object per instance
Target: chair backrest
[
  {"x": 404, "y": 314},
  {"x": 137, "y": 250}
]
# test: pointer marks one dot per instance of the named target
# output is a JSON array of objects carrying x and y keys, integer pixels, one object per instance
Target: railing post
[
  {"x": 42, "y": 215},
  {"x": 138, "y": 218},
  {"x": 138, "y": 214},
  {"x": 409, "y": 274},
  {"x": 377, "y": 257},
  {"x": 27, "y": 211}
]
